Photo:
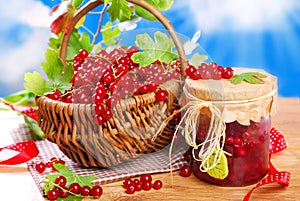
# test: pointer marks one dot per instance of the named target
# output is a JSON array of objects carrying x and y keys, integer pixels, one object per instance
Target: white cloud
[
  {"x": 241, "y": 15},
  {"x": 30, "y": 12},
  {"x": 26, "y": 55}
]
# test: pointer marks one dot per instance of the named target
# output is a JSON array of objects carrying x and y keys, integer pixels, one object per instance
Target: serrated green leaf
[
  {"x": 160, "y": 49},
  {"x": 220, "y": 171},
  {"x": 250, "y": 77},
  {"x": 64, "y": 170},
  {"x": 198, "y": 59},
  {"x": 109, "y": 34},
  {"x": 71, "y": 198},
  {"x": 236, "y": 79},
  {"x": 119, "y": 9},
  {"x": 77, "y": 42},
  {"x": 35, "y": 83},
  {"x": 53, "y": 66},
  {"x": 77, "y": 3}
]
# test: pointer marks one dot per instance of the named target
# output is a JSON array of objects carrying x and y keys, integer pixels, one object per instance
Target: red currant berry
[
  {"x": 54, "y": 95},
  {"x": 127, "y": 182},
  {"x": 196, "y": 75},
  {"x": 85, "y": 190},
  {"x": 63, "y": 193},
  {"x": 40, "y": 167},
  {"x": 157, "y": 185},
  {"x": 146, "y": 185},
  {"x": 78, "y": 59},
  {"x": 108, "y": 78},
  {"x": 53, "y": 194},
  {"x": 146, "y": 178},
  {"x": 185, "y": 171},
  {"x": 190, "y": 70},
  {"x": 228, "y": 73},
  {"x": 61, "y": 181},
  {"x": 75, "y": 188},
  {"x": 161, "y": 95},
  {"x": 99, "y": 119},
  {"x": 130, "y": 189},
  {"x": 107, "y": 114},
  {"x": 96, "y": 191},
  {"x": 83, "y": 53}
]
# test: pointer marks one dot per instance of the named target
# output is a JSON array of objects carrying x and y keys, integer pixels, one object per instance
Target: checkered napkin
[{"x": 157, "y": 162}]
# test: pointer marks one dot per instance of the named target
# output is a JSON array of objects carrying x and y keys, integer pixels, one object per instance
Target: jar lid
[{"x": 240, "y": 102}]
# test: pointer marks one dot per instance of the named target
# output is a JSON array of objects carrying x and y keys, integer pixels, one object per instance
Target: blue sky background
[{"x": 250, "y": 33}]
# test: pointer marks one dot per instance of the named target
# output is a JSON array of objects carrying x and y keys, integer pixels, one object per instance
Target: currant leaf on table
[
  {"x": 71, "y": 177},
  {"x": 160, "y": 49}
]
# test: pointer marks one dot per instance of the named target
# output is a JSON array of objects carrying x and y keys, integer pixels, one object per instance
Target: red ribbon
[
  {"x": 28, "y": 150},
  {"x": 277, "y": 144}
]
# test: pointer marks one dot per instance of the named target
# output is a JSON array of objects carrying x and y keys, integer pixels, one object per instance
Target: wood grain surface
[{"x": 287, "y": 121}]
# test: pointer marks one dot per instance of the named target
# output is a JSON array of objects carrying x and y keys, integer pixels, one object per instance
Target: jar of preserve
[{"x": 227, "y": 123}]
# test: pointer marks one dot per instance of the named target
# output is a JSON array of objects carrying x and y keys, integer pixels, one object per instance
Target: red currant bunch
[
  {"x": 42, "y": 166},
  {"x": 143, "y": 183},
  {"x": 61, "y": 190},
  {"x": 207, "y": 71}
]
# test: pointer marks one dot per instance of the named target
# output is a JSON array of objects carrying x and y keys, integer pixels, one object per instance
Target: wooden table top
[{"x": 287, "y": 121}]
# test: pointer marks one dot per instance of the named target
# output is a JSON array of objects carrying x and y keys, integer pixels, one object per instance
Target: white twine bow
[{"x": 215, "y": 138}]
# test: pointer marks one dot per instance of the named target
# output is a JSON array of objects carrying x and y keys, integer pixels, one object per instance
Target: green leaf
[
  {"x": 53, "y": 66},
  {"x": 220, "y": 171},
  {"x": 160, "y": 5},
  {"x": 198, "y": 59},
  {"x": 35, "y": 83},
  {"x": 109, "y": 34},
  {"x": 24, "y": 98},
  {"x": 119, "y": 9},
  {"x": 34, "y": 127},
  {"x": 250, "y": 77},
  {"x": 160, "y": 49},
  {"x": 144, "y": 13},
  {"x": 77, "y": 3}
]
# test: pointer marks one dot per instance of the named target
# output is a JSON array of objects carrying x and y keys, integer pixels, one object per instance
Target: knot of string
[{"x": 214, "y": 141}]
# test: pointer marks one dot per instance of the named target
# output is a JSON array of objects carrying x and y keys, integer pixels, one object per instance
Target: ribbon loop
[{"x": 28, "y": 150}]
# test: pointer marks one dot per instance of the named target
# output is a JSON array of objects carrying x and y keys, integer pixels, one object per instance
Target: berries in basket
[{"x": 104, "y": 103}]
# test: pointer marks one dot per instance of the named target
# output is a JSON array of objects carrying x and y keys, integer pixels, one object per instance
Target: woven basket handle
[{"x": 163, "y": 19}]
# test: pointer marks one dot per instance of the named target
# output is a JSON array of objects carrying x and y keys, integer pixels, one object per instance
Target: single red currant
[
  {"x": 61, "y": 181},
  {"x": 185, "y": 171},
  {"x": 53, "y": 194},
  {"x": 146, "y": 178},
  {"x": 75, "y": 188},
  {"x": 85, "y": 190},
  {"x": 40, "y": 167},
  {"x": 83, "y": 53},
  {"x": 228, "y": 73},
  {"x": 157, "y": 185},
  {"x": 146, "y": 185},
  {"x": 130, "y": 189},
  {"x": 127, "y": 182},
  {"x": 96, "y": 191},
  {"x": 161, "y": 95}
]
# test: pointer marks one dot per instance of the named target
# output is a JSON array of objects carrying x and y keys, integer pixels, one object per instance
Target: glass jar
[
  {"x": 248, "y": 152},
  {"x": 229, "y": 134}
]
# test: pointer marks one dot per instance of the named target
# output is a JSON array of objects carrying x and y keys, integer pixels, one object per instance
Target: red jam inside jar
[{"x": 248, "y": 146}]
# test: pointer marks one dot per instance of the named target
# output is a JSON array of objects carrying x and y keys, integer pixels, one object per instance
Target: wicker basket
[{"x": 128, "y": 134}]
